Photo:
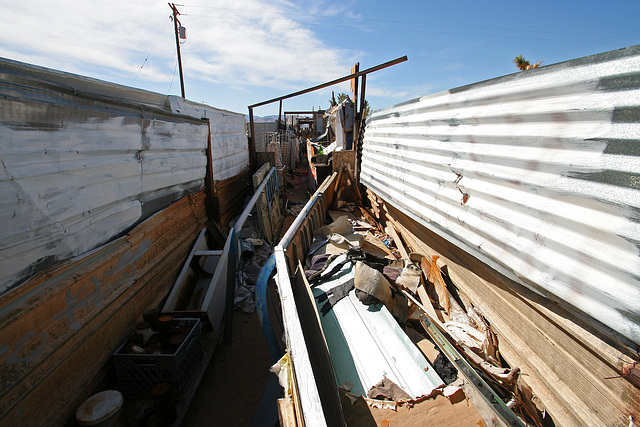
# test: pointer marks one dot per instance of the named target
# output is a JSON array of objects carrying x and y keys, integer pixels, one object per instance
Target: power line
[
  {"x": 173, "y": 77},
  {"x": 149, "y": 54},
  {"x": 519, "y": 30}
]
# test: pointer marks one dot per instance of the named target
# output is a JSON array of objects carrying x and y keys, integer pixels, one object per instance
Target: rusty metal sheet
[{"x": 58, "y": 330}]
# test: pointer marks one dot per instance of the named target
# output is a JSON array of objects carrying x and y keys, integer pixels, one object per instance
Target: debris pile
[
  {"x": 373, "y": 264},
  {"x": 156, "y": 335}
]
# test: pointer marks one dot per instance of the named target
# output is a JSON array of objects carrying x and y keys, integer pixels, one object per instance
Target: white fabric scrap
[{"x": 282, "y": 369}]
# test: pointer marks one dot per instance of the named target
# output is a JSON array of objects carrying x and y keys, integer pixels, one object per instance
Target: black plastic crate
[{"x": 139, "y": 373}]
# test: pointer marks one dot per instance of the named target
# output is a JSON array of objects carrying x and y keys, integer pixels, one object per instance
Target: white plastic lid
[{"x": 99, "y": 407}]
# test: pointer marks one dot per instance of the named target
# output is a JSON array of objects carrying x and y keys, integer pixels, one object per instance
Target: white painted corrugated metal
[
  {"x": 84, "y": 160},
  {"x": 228, "y": 136},
  {"x": 262, "y": 130},
  {"x": 367, "y": 344},
  {"x": 536, "y": 174}
]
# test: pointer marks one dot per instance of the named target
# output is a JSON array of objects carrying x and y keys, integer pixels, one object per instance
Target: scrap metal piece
[{"x": 505, "y": 414}]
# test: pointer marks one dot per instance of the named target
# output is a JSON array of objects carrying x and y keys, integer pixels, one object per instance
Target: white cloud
[
  {"x": 228, "y": 42},
  {"x": 401, "y": 93},
  {"x": 386, "y": 93}
]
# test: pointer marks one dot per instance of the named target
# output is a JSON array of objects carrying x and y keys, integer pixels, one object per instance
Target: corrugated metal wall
[
  {"x": 84, "y": 160},
  {"x": 536, "y": 174},
  {"x": 228, "y": 136},
  {"x": 262, "y": 130}
]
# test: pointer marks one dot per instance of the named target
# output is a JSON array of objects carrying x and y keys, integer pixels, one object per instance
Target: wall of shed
[
  {"x": 59, "y": 329},
  {"x": 83, "y": 161},
  {"x": 537, "y": 174},
  {"x": 262, "y": 130}
]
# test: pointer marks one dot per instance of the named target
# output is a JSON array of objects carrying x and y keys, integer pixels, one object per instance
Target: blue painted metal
[{"x": 263, "y": 311}]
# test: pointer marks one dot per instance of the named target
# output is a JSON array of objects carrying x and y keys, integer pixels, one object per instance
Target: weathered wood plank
[
  {"x": 563, "y": 361},
  {"x": 390, "y": 230},
  {"x": 344, "y": 158},
  {"x": 286, "y": 413},
  {"x": 434, "y": 412},
  {"x": 230, "y": 196}
]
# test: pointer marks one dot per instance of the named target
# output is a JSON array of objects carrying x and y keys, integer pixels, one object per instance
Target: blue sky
[{"x": 243, "y": 52}]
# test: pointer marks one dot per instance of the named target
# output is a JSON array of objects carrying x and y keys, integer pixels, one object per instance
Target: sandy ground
[{"x": 233, "y": 384}]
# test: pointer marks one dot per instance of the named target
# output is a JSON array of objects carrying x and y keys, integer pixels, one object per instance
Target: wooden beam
[
  {"x": 252, "y": 142},
  {"x": 390, "y": 229}
]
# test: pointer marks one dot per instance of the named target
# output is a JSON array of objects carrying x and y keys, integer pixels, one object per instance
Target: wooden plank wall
[
  {"x": 297, "y": 248},
  {"x": 342, "y": 158},
  {"x": 268, "y": 211},
  {"x": 59, "y": 330},
  {"x": 229, "y": 196},
  {"x": 566, "y": 365}
]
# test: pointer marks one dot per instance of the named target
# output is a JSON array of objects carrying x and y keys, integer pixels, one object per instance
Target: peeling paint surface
[
  {"x": 536, "y": 174},
  {"x": 58, "y": 330},
  {"x": 228, "y": 136}
]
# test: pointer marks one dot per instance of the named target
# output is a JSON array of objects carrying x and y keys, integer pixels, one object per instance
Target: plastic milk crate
[{"x": 139, "y": 373}]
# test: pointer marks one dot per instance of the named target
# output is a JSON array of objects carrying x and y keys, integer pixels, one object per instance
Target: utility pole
[{"x": 175, "y": 25}]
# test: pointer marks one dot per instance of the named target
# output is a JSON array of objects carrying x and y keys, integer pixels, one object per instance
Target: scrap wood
[
  {"x": 452, "y": 309},
  {"x": 427, "y": 347},
  {"x": 489, "y": 346},
  {"x": 426, "y": 301},
  {"x": 475, "y": 317},
  {"x": 345, "y": 174},
  {"x": 439, "y": 334},
  {"x": 286, "y": 412},
  {"x": 504, "y": 376},
  {"x": 390, "y": 230},
  {"x": 363, "y": 225},
  {"x": 369, "y": 218},
  {"x": 376, "y": 247},
  {"x": 531, "y": 404},
  {"x": 338, "y": 191},
  {"x": 364, "y": 218},
  {"x": 354, "y": 185},
  {"x": 427, "y": 312},
  {"x": 454, "y": 393},
  {"x": 375, "y": 208},
  {"x": 432, "y": 274}
]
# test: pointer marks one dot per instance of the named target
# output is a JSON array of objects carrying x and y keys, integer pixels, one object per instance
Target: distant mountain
[{"x": 264, "y": 119}]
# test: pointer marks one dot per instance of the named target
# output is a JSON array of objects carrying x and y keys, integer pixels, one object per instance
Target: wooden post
[
  {"x": 354, "y": 85},
  {"x": 360, "y": 127},
  {"x": 354, "y": 90},
  {"x": 213, "y": 207},
  {"x": 252, "y": 142},
  {"x": 175, "y": 26}
]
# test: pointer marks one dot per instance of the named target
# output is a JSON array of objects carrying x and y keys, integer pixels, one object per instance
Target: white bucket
[{"x": 104, "y": 409}]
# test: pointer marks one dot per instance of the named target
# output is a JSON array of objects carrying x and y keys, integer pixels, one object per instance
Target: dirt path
[{"x": 233, "y": 384}]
